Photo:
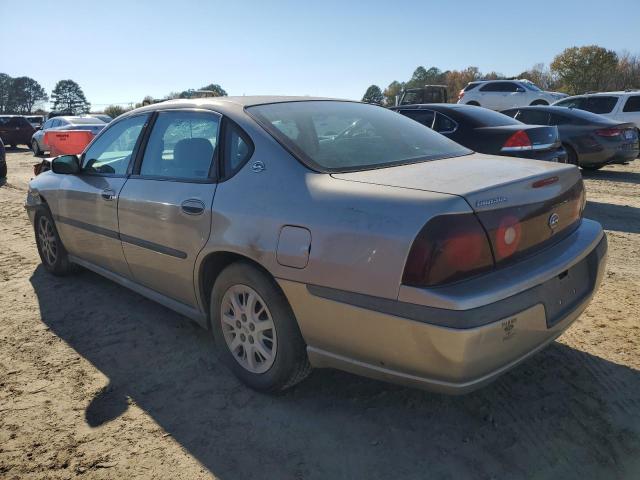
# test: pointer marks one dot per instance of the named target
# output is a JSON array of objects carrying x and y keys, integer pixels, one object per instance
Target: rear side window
[
  {"x": 633, "y": 104},
  {"x": 444, "y": 124},
  {"x": 533, "y": 117},
  {"x": 599, "y": 104},
  {"x": 425, "y": 117},
  {"x": 181, "y": 145},
  {"x": 374, "y": 137},
  {"x": 238, "y": 148}
]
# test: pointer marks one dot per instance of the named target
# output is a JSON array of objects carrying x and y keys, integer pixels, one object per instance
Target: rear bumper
[
  {"x": 555, "y": 155},
  {"x": 413, "y": 347}
]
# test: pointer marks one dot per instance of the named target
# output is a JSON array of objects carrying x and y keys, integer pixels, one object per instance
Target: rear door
[
  {"x": 87, "y": 213},
  {"x": 164, "y": 210}
]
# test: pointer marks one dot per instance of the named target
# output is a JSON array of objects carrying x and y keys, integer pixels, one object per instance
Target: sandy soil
[{"x": 98, "y": 382}]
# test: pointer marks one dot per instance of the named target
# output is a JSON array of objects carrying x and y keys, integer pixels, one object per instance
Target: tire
[
  {"x": 14, "y": 145},
  {"x": 475, "y": 104},
  {"x": 265, "y": 350},
  {"x": 592, "y": 168},
  {"x": 539, "y": 102},
  {"x": 52, "y": 253},
  {"x": 35, "y": 148},
  {"x": 572, "y": 156},
  {"x": 3, "y": 170}
]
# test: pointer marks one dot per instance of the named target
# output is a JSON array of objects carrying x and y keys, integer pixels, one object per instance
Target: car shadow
[
  {"x": 612, "y": 175},
  {"x": 621, "y": 218},
  {"x": 563, "y": 414}
]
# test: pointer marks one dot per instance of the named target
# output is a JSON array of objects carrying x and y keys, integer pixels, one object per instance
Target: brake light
[
  {"x": 447, "y": 249},
  {"x": 461, "y": 94},
  {"x": 608, "y": 132},
  {"x": 518, "y": 141}
]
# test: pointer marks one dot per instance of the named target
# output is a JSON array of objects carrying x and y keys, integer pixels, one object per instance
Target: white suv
[
  {"x": 503, "y": 94},
  {"x": 621, "y": 106}
]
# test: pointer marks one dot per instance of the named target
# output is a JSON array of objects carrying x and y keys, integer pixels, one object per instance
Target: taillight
[
  {"x": 447, "y": 249},
  {"x": 461, "y": 94},
  {"x": 608, "y": 132},
  {"x": 518, "y": 141}
]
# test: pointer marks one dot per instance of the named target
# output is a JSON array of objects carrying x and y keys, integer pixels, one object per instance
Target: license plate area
[{"x": 565, "y": 292}]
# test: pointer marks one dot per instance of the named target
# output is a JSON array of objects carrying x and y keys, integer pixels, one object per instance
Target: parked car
[
  {"x": 36, "y": 121},
  {"x": 486, "y": 131},
  {"x": 92, "y": 124},
  {"x": 426, "y": 94},
  {"x": 340, "y": 235},
  {"x": 3, "y": 160},
  {"x": 620, "y": 106},
  {"x": 503, "y": 94},
  {"x": 591, "y": 141},
  {"x": 15, "y": 130}
]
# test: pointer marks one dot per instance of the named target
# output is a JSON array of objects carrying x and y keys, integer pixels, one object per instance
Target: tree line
[
  {"x": 574, "y": 71},
  {"x": 24, "y": 95}
]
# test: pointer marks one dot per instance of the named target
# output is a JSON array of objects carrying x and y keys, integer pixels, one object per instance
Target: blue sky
[{"x": 120, "y": 51}]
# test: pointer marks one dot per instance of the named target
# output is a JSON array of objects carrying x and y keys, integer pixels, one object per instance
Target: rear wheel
[
  {"x": 475, "y": 104},
  {"x": 572, "y": 156},
  {"x": 255, "y": 329},
  {"x": 52, "y": 253},
  {"x": 35, "y": 148},
  {"x": 539, "y": 102}
]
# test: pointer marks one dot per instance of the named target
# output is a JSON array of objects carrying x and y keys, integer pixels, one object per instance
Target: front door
[
  {"x": 164, "y": 209},
  {"x": 87, "y": 214}
]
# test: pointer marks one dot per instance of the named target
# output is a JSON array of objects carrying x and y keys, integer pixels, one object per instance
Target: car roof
[{"x": 594, "y": 94}]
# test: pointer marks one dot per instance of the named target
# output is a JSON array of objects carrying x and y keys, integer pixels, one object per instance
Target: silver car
[
  {"x": 321, "y": 233},
  {"x": 38, "y": 145}
]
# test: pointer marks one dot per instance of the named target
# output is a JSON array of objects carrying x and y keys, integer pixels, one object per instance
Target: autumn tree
[
  {"x": 583, "y": 69},
  {"x": 115, "y": 110},
  {"x": 373, "y": 95},
  {"x": 68, "y": 97},
  {"x": 392, "y": 92}
]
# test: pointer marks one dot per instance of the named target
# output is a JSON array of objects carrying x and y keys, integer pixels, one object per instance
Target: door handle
[
  {"x": 108, "y": 194},
  {"x": 192, "y": 207}
]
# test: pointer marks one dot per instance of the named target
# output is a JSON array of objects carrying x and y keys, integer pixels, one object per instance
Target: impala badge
[
  {"x": 490, "y": 201},
  {"x": 258, "y": 166},
  {"x": 554, "y": 219}
]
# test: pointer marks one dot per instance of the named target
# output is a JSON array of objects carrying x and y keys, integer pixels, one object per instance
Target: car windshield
[
  {"x": 348, "y": 136},
  {"x": 85, "y": 121},
  {"x": 532, "y": 86}
]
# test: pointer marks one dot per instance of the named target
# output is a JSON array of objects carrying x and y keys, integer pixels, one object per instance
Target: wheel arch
[{"x": 210, "y": 269}]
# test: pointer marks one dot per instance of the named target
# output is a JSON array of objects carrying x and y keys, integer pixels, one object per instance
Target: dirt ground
[{"x": 98, "y": 382}]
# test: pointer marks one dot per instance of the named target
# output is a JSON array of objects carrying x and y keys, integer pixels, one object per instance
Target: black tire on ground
[
  {"x": 50, "y": 248},
  {"x": 14, "y": 145},
  {"x": 572, "y": 156},
  {"x": 290, "y": 364},
  {"x": 35, "y": 148},
  {"x": 3, "y": 170},
  {"x": 539, "y": 102},
  {"x": 592, "y": 168},
  {"x": 475, "y": 104}
]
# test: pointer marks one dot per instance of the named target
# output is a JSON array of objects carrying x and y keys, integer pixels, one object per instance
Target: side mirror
[{"x": 66, "y": 165}]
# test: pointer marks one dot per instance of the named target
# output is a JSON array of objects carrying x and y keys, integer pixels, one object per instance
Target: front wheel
[
  {"x": 52, "y": 253},
  {"x": 256, "y": 331}
]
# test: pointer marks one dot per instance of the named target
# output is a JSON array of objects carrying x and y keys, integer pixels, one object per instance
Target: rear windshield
[
  {"x": 339, "y": 136},
  {"x": 483, "y": 117},
  {"x": 85, "y": 121}
]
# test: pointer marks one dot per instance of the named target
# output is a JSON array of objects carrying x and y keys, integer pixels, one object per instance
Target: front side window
[
  {"x": 374, "y": 137},
  {"x": 599, "y": 104},
  {"x": 112, "y": 150},
  {"x": 181, "y": 145},
  {"x": 632, "y": 104}
]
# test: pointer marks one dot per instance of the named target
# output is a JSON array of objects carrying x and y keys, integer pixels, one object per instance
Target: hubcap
[
  {"x": 248, "y": 328},
  {"x": 48, "y": 243}
]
